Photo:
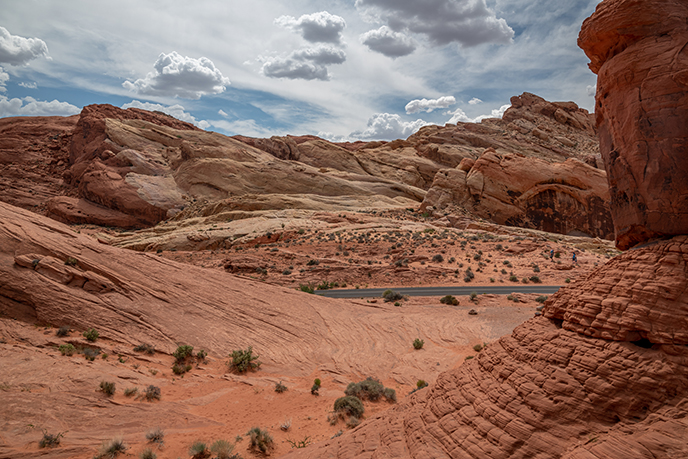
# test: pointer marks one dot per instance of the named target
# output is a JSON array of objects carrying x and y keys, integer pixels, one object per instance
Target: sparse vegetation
[
  {"x": 450, "y": 300},
  {"x": 535, "y": 280},
  {"x": 151, "y": 393},
  {"x": 315, "y": 387},
  {"x": 474, "y": 296},
  {"x": 260, "y": 440},
  {"x": 111, "y": 449},
  {"x": 71, "y": 261},
  {"x": 50, "y": 440},
  {"x": 438, "y": 258},
  {"x": 390, "y": 296},
  {"x": 243, "y": 361},
  {"x": 418, "y": 343},
  {"x": 156, "y": 435},
  {"x": 67, "y": 349},
  {"x": 91, "y": 334},
  {"x": 199, "y": 450},
  {"x": 148, "y": 453},
  {"x": 368, "y": 389},
  {"x": 541, "y": 299},
  {"x": 349, "y": 406},
  {"x": 131, "y": 391},
  {"x": 63, "y": 331},
  {"x": 222, "y": 449},
  {"x": 201, "y": 355},
  {"x": 183, "y": 352},
  {"x": 478, "y": 347},
  {"x": 145, "y": 348},
  {"x": 180, "y": 369},
  {"x": 421, "y": 384},
  {"x": 300, "y": 443},
  {"x": 307, "y": 288},
  {"x": 108, "y": 388},
  {"x": 279, "y": 387},
  {"x": 90, "y": 353}
]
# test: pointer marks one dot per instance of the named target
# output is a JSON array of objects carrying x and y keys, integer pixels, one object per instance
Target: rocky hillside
[
  {"x": 133, "y": 169},
  {"x": 603, "y": 373}
]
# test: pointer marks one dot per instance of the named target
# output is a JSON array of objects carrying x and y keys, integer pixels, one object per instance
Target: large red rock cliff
[{"x": 638, "y": 49}]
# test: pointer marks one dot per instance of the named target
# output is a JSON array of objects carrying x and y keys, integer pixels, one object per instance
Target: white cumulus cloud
[
  {"x": 388, "y": 126},
  {"x": 467, "y": 22},
  {"x": 475, "y": 101},
  {"x": 592, "y": 90},
  {"x": 305, "y": 63},
  {"x": 321, "y": 27},
  {"x": 460, "y": 116},
  {"x": 15, "y": 50},
  {"x": 176, "y": 111},
  {"x": 428, "y": 105},
  {"x": 388, "y": 42},
  {"x": 28, "y": 106},
  {"x": 4, "y": 78},
  {"x": 180, "y": 76},
  {"x": 32, "y": 85}
]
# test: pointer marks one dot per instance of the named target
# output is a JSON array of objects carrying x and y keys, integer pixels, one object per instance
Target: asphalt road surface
[{"x": 441, "y": 291}]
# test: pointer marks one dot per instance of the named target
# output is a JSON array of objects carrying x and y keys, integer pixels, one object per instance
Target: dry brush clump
[{"x": 243, "y": 361}]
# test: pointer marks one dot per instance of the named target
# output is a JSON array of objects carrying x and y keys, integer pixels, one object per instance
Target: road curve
[{"x": 441, "y": 291}]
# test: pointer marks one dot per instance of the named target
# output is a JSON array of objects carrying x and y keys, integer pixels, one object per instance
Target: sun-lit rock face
[{"x": 638, "y": 50}]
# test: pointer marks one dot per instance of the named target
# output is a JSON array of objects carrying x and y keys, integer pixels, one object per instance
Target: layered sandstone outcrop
[
  {"x": 510, "y": 189},
  {"x": 638, "y": 49},
  {"x": 602, "y": 373}
]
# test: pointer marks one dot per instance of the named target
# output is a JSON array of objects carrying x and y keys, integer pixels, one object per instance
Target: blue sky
[{"x": 344, "y": 70}]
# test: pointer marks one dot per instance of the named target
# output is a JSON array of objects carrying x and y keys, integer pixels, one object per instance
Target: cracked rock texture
[{"x": 639, "y": 50}]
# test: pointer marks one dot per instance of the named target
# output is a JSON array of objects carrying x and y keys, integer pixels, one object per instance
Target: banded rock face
[
  {"x": 638, "y": 49},
  {"x": 570, "y": 197}
]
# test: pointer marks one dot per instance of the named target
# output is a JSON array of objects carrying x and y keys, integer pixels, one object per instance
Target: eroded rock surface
[
  {"x": 638, "y": 49},
  {"x": 570, "y": 197}
]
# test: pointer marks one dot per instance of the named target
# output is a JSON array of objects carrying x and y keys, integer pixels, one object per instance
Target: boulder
[{"x": 637, "y": 48}]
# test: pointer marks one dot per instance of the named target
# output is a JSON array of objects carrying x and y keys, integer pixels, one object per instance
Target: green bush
[
  {"x": 449, "y": 299},
  {"x": 151, "y": 393},
  {"x": 260, "y": 440},
  {"x": 350, "y": 406},
  {"x": 421, "y": 384},
  {"x": 474, "y": 295},
  {"x": 418, "y": 343},
  {"x": 541, "y": 299},
  {"x": 315, "y": 387},
  {"x": 222, "y": 449},
  {"x": 390, "y": 394},
  {"x": 513, "y": 278},
  {"x": 180, "y": 369},
  {"x": 567, "y": 280},
  {"x": 391, "y": 296},
  {"x": 243, "y": 361},
  {"x": 148, "y": 454},
  {"x": 155, "y": 435},
  {"x": 201, "y": 355},
  {"x": 280, "y": 388},
  {"x": 306, "y": 288},
  {"x": 91, "y": 334},
  {"x": 535, "y": 280},
  {"x": 67, "y": 349},
  {"x": 183, "y": 352},
  {"x": 478, "y": 348}
]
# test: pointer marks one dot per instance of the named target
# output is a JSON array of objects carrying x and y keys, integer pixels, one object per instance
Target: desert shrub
[
  {"x": 315, "y": 387},
  {"x": 148, "y": 454},
  {"x": 469, "y": 357},
  {"x": 286, "y": 272},
  {"x": 155, "y": 435},
  {"x": 567, "y": 280},
  {"x": 478, "y": 348},
  {"x": 474, "y": 296},
  {"x": 260, "y": 440},
  {"x": 541, "y": 299},
  {"x": 63, "y": 331},
  {"x": 513, "y": 278},
  {"x": 512, "y": 298},
  {"x": 370, "y": 388},
  {"x": 199, "y": 450},
  {"x": 389, "y": 394},
  {"x": 449, "y": 299},
  {"x": 145, "y": 348},
  {"x": 438, "y": 258},
  {"x": 312, "y": 263},
  {"x": 131, "y": 391},
  {"x": 353, "y": 422},
  {"x": 108, "y": 388},
  {"x": 71, "y": 261},
  {"x": 222, "y": 449},
  {"x": 67, "y": 349},
  {"x": 301, "y": 443},
  {"x": 536, "y": 268},
  {"x": 392, "y": 296},
  {"x": 306, "y": 288},
  {"x": 349, "y": 406},
  {"x": 535, "y": 280},
  {"x": 151, "y": 393},
  {"x": 557, "y": 254},
  {"x": 91, "y": 334},
  {"x": 183, "y": 352},
  {"x": 180, "y": 369},
  {"x": 524, "y": 280},
  {"x": 421, "y": 384},
  {"x": 90, "y": 353},
  {"x": 110, "y": 449},
  {"x": 50, "y": 440},
  {"x": 325, "y": 285},
  {"x": 418, "y": 343},
  {"x": 243, "y": 361},
  {"x": 201, "y": 355},
  {"x": 279, "y": 387}
]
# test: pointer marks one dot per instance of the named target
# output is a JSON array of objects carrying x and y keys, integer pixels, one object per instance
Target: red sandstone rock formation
[
  {"x": 510, "y": 189},
  {"x": 638, "y": 49}
]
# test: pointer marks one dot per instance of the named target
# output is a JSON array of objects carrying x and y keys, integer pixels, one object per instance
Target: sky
[{"x": 340, "y": 69}]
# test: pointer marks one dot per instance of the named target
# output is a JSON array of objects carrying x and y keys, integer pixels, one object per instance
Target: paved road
[{"x": 441, "y": 291}]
